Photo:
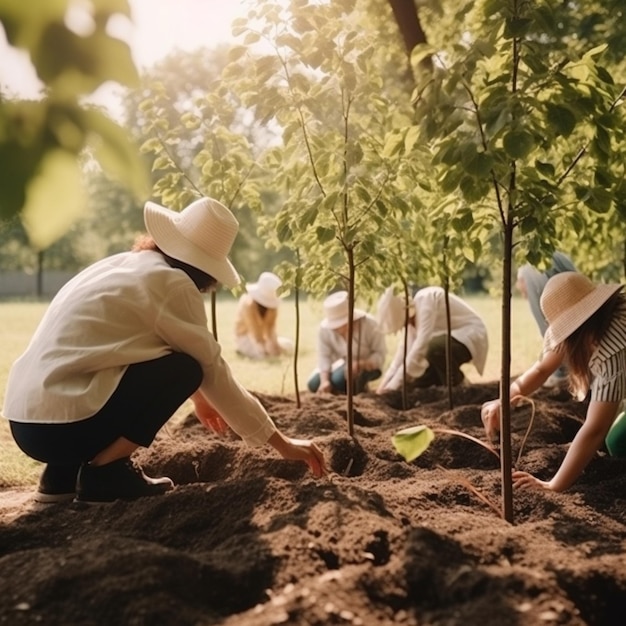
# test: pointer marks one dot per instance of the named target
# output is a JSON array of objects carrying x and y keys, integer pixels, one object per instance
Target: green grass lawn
[{"x": 19, "y": 320}]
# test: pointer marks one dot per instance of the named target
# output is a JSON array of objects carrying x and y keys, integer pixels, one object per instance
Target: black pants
[
  {"x": 435, "y": 374},
  {"x": 147, "y": 396}
]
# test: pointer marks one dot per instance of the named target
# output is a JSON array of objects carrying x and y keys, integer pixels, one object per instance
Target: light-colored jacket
[
  {"x": 466, "y": 326},
  {"x": 368, "y": 343},
  {"x": 127, "y": 308}
]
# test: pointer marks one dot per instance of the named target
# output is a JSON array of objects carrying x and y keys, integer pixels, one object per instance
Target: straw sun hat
[
  {"x": 568, "y": 300},
  {"x": 201, "y": 235},
  {"x": 336, "y": 311},
  {"x": 264, "y": 290}
]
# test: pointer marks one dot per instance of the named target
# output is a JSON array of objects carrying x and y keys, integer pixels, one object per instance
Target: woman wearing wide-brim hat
[
  {"x": 256, "y": 335},
  {"x": 120, "y": 348},
  {"x": 587, "y": 332}
]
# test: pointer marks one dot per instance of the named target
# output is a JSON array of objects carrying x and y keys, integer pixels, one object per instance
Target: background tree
[{"x": 321, "y": 84}]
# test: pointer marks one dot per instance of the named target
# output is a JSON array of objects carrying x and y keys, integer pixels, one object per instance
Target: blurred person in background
[
  {"x": 531, "y": 283},
  {"x": 255, "y": 320},
  {"x": 427, "y": 337},
  {"x": 368, "y": 348}
]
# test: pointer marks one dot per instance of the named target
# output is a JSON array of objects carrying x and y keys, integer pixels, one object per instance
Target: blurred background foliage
[{"x": 258, "y": 125}]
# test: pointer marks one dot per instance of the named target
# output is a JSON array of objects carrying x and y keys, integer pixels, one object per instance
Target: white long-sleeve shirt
[
  {"x": 430, "y": 321},
  {"x": 127, "y": 308},
  {"x": 368, "y": 343}
]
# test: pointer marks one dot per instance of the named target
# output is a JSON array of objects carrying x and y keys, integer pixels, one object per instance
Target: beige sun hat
[
  {"x": 264, "y": 290},
  {"x": 391, "y": 312},
  {"x": 336, "y": 311},
  {"x": 568, "y": 300},
  {"x": 201, "y": 235}
]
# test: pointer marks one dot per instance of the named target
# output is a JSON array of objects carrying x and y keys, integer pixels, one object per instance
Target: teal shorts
[{"x": 616, "y": 437}]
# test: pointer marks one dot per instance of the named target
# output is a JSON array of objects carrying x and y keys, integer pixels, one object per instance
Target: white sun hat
[
  {"x": 264, "y": 290},
  {"x": 568, "y": 300},
  {"x": 390, "y": 312},
  {"x": 336, "y": 311},
  {"x": 201, "y": 235}
]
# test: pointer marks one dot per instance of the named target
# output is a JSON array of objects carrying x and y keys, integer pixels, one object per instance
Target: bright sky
[{"x": 159, "y": 26}]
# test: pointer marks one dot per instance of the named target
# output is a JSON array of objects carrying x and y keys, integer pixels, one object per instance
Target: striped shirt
[{"x": 608, "y": 361}]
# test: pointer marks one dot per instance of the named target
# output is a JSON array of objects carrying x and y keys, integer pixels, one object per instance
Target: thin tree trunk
[
  {"x": 297, "y": 337},
  {"x": 405, "y": 330},
  {"x": 505, "y": 374},
  {"x": 349, "y": 374},
  {"x": 448, "y": 344}
]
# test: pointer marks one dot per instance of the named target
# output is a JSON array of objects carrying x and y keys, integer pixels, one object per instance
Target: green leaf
[
  {"x": 54, "y": 199},
  {"x": 324, "y": 235},
  {"x": 463, "y": 221},
  {"x": 545, "y": 169},
  {"x": 474, "y": 162},
  {"x": 451, "y": 179},
  {"x": 561, "y": 118},
  {"x": 518, "y": 144},
  {"x": 412, "y": 442},
  {"x": 116, "y": 153}
]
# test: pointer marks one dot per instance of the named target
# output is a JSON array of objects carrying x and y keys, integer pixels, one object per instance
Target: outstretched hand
[
  {"x": 300, "y": 450},
  {"x": 524, "y": 480},
  {"x": 490, "y": 416}
]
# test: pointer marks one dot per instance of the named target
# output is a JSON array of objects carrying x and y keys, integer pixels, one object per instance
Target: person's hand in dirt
[
  {"x": 325, "y": 384},
  {"x": 490, "y": 416},
  {"x": 524, "y": 480},
  {"x": 300, "y": 450},
  {"x": 586, "y": 443},
  {"x": 207, "y": 415},
  {"x": 525, "y": 385}
]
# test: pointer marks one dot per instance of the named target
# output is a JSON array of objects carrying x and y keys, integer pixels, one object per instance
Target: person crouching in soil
[
  {"x": 368, "y": 348},
  {"x": 587, "y": 332},
  {"x": 121, "y": 347}
]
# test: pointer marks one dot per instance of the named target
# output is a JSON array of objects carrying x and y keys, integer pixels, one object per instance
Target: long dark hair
[
  {"x": 202, "y": 280},
  {"x": 579, "y": 346}
]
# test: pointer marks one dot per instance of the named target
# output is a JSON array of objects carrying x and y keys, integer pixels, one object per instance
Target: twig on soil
[
  {"x": 468, "y": 485},
  {"x": 458, "y": 433},
  {"x": 530, "y": 425}
]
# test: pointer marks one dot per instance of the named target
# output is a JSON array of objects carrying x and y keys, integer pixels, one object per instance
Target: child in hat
[
  {"x": 587, "y": 332},
  {"x": 122, "y": 345},
  {"x": 255, "y": 321}
]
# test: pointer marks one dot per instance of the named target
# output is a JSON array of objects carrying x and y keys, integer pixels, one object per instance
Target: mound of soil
[{"x": 248, "y": 539}]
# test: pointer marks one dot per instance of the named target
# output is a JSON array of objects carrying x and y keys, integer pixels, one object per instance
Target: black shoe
[
  {"x": 119, "y": 480},
  {"x": 57, "y": 483}
]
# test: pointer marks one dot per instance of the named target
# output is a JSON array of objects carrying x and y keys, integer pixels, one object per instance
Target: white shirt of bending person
[
  {"x": 429, "y": 305},
  {"x": 368, "y": 343}
]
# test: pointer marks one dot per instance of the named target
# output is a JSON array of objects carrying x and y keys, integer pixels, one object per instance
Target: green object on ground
[{"x": 616, "y": 437}]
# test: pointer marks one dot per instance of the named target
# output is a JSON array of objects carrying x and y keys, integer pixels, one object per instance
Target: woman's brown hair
[{"x": 579, "y": 346}]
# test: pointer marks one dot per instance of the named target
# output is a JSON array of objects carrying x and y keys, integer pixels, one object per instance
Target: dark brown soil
[{"x": 248, "y": 539}]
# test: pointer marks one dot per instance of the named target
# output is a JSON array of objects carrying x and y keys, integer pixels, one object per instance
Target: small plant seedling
[{"x": 412, "y": 442}]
